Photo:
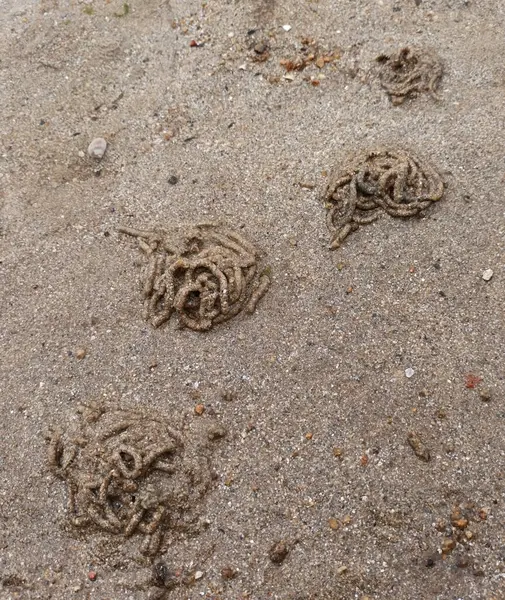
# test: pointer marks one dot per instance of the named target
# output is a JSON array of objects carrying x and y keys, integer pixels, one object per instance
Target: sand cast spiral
[
  {"x": 128, "y": 473},
  {"x": 408, "y": 72},
  {"x": 205, "y": 273},
  {"x": 376, "y": 182}
]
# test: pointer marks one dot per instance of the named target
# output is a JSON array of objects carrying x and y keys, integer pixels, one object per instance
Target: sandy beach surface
[{"x": 346, "y": 439}]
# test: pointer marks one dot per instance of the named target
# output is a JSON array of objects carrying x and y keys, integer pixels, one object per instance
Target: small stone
[
  {"x": 92, "y": 575},
  {"x": 469, "y": 534},
  {"x": 341, "y": 570},
  {"x": 173, "y": 180},
  {"x": 228, "y": 573},
  {"x": 333, "y": 523},
  {"x": 419, "y": 447},
  {"x": 289, "y": 77},
  {"x": 199, "y": 409},
  {"x": 97, "y": 148},
  {"x": 216, "y": 432},
  {"x": 338, "y": 452},
  {"x": 80, "y": 353},
  {"x": 460, "y": 523},
  {"x": 430, "y": 561},
  {"x": 409, "y": 372},
  {"x": 286, "y": 27},
  {"x": 278, "y": 552},
  {"x": 487, "y": 275},
  {"x": 260, "y": 48},
  {"x": 163, "y": 576},
  {"x": 462, "y": 562},
  {"x": 81, "y": 154},
  {"x": 485, "y": 395},
  {"x": 198, "y": 575},
  {"x": 320, "y": 62},
  {"x": 448, "y": 545},
  {"x": 308, "y": 436}
]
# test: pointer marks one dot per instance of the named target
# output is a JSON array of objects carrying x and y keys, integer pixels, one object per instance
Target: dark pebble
[
  {"x": 163, "y": 576},
  {"x": 173, "y": 180},
  {"x": 462, "y": 562},
  {"x": 278, "y": 552},
  {"x": 260, "y": 48}
]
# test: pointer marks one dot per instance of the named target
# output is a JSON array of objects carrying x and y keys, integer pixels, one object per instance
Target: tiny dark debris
[
  {"x": 163, "y": 576},
  {"x": 10, "y": 581},
  {"x": 228, "y": 573},
  {"x": 278, "y": 552}
]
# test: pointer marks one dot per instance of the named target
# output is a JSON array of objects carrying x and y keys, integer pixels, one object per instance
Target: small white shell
[{"x": 97, "y": 148}]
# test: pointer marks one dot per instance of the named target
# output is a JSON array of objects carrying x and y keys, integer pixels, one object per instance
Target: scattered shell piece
[
  {"x": 97, "y": 148},
  {"x": 286, "y": 27},
  {"x": 488, "y": 274},
  {"x": 409, "y": 372},
  {"x": 198, "y": 575}
]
